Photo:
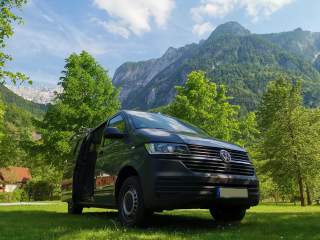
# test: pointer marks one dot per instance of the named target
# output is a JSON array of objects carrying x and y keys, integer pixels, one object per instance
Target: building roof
[{"x": 14, "y": 174}]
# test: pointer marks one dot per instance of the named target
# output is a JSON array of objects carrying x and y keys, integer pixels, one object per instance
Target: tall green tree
[
  {"x": 249, "y": 132},
  {"x": 2, "y": 111},
  {"x": 7, "y": 19},
  {"x": 87, "y": 99},
  {"x": 206, "y": 105},
  {"x": 311, "y": 121},
  {"x": 290, "y": 141}
]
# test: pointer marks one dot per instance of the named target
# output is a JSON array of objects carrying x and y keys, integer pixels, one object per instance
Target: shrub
[
  {"x": 40, "y": 190},
  {"x": 5, "y": 197},
  {"x": 18, "y": 195}
]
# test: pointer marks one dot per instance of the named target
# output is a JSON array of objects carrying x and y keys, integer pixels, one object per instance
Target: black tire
[
  {"x": 226, "y": 215},
  {"x": 74, "y": 208},
  {"x": 131, "y": 207}
]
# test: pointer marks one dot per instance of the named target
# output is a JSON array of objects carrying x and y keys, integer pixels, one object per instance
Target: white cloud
[
  {"x": 48, "y": 18},
  {"x": 216, "y": 8},
  {"x": 202, "y": 28},
  {"x": 220, "y": 8},
  {"x": 59, "y": 41},
  {"x": 47, "y": 33},
  {"x": 263, "y": 7},
  {"x": 113, "y": 27},
  {"x": 130, "y": 16}
]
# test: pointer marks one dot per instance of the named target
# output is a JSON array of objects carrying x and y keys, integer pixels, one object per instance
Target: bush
[
  {"x": 5, "y": 197},
  {"x": 40, "y": 190},
  {"x": 18, "y": 195}
]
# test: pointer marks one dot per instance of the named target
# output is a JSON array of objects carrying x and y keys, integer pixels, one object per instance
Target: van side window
[{"x": 118, "y": 122}]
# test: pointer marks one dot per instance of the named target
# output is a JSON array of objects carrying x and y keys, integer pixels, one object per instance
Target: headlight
[{"x": 166, "y": 148}]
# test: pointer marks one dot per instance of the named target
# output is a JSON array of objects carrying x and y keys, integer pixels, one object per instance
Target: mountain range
[
  {"x": 243, "y": 61},
  {"x": 41, "y": 95}
]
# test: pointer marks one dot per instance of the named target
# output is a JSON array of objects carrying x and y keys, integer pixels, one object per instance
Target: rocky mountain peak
[
  {"x": 244, "y": 64},
  {"x": 170, "y": 51},
  {"x": 230, "y": 28}
]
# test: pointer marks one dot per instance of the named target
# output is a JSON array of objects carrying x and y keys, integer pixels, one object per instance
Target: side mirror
[{"x": 113, "y": 132}]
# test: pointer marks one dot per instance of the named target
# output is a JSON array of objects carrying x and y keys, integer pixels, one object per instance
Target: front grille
[
  {"x": 207, "y": 160},
  {"x": 174, "y": 185},
  {"x": 212, "y": 152}
]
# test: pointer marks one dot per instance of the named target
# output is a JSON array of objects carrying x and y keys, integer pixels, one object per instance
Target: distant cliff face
[
  {"x": 132, "y": 77},
  {"x": 231, "y": 56}
]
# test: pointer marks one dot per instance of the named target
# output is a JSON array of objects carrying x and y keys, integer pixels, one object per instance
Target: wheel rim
[{"x": 130, "y": 203}]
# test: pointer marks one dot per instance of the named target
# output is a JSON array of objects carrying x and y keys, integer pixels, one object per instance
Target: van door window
[{"x": 118, "y": 122}]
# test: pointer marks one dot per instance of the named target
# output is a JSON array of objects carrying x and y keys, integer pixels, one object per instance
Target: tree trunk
[
  {"x": 309, "y": 197},
  {"x": 302, "y": 200}
]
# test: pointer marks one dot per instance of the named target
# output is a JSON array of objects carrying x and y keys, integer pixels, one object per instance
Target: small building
[{"x": 13, "y": 177}]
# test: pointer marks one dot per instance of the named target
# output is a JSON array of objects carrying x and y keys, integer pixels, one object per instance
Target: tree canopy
[
  {"x": 87, "y": 99},
  {"x": 289, "y": 135},
  {"x": 206, "y": 105}
]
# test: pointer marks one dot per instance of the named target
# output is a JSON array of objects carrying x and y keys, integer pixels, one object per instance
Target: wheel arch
[{"x": 124, "y": 173}]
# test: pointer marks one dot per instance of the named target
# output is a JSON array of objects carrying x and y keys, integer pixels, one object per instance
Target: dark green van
[{"x": 140, "y": 163}]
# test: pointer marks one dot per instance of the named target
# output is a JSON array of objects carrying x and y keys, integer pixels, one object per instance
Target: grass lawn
[{"x": 262, "y": 222}]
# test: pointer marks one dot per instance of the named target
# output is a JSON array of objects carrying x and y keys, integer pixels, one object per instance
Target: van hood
[{"x": 146, "y": 135}]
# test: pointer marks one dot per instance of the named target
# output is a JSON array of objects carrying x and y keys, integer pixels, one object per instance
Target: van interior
[{"x": 84, "y": 174}]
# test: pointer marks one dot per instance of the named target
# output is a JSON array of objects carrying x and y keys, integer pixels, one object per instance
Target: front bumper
[{"x": 169, "y": 184}]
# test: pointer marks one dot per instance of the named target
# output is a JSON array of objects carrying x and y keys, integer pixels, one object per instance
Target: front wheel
[
  {"x": 225, "y": 215},
  {"x": 131, "y": 207}
]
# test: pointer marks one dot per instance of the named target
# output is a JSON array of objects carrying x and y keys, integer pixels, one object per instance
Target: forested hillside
[
  {"x": 232, "y": 56},
  {"x": 19, "y": 129},
  {"x": 10, "y": 98}
]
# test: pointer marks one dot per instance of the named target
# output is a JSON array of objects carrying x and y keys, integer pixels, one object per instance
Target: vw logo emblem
[{"x": 225, "y": 156}]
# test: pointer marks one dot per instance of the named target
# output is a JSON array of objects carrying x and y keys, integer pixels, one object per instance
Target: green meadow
[{"x": 261, "y": 222}]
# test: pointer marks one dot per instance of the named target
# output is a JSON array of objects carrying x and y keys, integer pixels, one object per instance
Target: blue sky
[{"x": 116, "y": 31}]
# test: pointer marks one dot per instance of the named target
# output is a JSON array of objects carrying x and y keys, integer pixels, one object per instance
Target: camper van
[{"x": 141, "y": 163}]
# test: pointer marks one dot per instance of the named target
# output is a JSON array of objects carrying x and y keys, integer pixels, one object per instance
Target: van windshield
[{"x": 159, "y": 121}]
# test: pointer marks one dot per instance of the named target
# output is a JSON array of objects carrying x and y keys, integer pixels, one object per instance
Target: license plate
[{"x": 223, "y": 192}]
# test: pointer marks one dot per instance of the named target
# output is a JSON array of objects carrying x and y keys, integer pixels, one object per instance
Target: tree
[
  {"x": 206, "y": 105},
  {"x": 290, "y": 139},
  {"x": 87, "y": 99},
  {"x": 2, "y": 111},
  {"x": 311, "y": 119},
  {"x": 7, "y": 19},
  {"x": 249, "y": 132},
  {"x": 16, "y": 134}
]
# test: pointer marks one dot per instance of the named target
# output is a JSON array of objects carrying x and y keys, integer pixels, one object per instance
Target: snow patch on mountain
[{"x": 43, "y": 95}]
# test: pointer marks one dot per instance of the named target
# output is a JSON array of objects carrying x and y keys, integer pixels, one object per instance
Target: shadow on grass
[
  {"x": 53, "y": 225},
  {"x": 165, "y": 221}
]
